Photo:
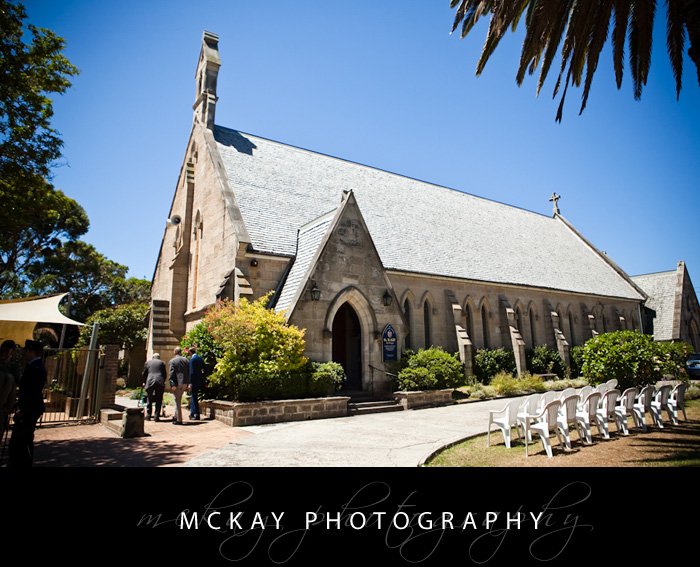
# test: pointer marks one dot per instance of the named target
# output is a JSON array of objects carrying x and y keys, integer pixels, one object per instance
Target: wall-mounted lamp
[
  {"x": 387, "y": 298},
  {"x": 315, "y": 293},
  {"x": 254, "y": 263}
]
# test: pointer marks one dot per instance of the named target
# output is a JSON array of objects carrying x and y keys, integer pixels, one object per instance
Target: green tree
[
  {"x": 79, "y": 268},
  {"x": 30, "y": 72},
  {"x": 583, "y": 25},
  {"x": 35, "y": 221},
  {"x": 123, "y": 325},
  {"x": 131, "y": 290}
]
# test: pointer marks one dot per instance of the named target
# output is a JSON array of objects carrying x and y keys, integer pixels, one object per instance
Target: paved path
[{"x": 387, "y": 439}]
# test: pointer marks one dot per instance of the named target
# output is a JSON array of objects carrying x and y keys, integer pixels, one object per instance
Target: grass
[{"x": 673, "y": 446}]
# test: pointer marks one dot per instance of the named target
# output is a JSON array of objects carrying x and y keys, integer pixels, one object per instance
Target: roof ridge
[
  {"x": 453, "y": 189},
  {"x": 655, "y": 273}
]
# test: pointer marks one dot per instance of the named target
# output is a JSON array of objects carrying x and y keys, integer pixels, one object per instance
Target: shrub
[
  {"x": 634, "y": 359},
  {"x": 489, "y": 362},
  {"x": 545, "y": 360},
  {"x": 210, "y": 350},
  {"x": 263, "y": 355},
  {"x": 326, "y": 378},
  {"x": 576, "y": 355},
  {"x": 507, "y": 385},
  {"x": 412, "y": 379},
  {"x": 443, "y": 370}
]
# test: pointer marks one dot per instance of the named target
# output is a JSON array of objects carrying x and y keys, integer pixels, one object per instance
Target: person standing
[
  {"x": 30, "y": 406},
  {"x": 154, "y": 383},
  {"x": 196, "y": 377},
  {"x": 179, "y": 381},
  {"x": 8, "y": 385}
]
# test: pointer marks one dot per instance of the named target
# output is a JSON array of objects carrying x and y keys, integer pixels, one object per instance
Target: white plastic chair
[
  {"x": 547, "y": 397},
  {"x": 583, "y": 394},
  {"x": 660, "y": 403},
  {"x": 602, "y": 388},
  {"x": 676, "y": 401},
  {"x": 566, "y": 392},
  {"x": 567, "y": 416},
  {"x": 611, "y": 384},
  {"x": 606, "y": 410},
  {"x": 625, "y": 409},
  {"x": 642, "y": 405},
  {"x": 543, "y": 423},
  {"x": 528, "y": 406},
  {"x": 504, "y": 419},
  {"x": 586, "y": 415}
]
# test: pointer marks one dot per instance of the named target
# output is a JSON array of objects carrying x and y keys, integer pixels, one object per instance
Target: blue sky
[{"x": 380, "y": 83}]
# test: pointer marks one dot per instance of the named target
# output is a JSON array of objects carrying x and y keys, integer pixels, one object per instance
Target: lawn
[{"x": 673, "y": 446}]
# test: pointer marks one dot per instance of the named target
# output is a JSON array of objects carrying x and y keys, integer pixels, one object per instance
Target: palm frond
[
  {"x": 675, "y": 40},
  {"x": 641, "y": 25}
]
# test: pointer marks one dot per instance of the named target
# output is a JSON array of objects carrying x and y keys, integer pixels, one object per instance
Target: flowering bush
[{"x": 263, "y": 356}]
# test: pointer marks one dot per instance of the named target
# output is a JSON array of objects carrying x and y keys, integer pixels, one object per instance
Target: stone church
[{"x": 370, "y": 262}]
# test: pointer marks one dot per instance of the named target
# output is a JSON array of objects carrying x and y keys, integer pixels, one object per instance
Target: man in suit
[
  {"x": 179, "y": 381},
  {"x": 154, "y": 383},
  {"x": 196, "y": 377},
  {"x": 30, "y": 406}
]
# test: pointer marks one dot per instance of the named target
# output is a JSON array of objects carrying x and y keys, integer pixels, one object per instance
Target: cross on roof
[{"x": 555, "y": 200}]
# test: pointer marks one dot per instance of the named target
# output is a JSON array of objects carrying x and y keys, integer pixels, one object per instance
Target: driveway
[{"x": 398, "y": 439}]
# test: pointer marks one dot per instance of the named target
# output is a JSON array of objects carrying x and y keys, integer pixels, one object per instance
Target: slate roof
[
  {"x": 661, "y": 289},
  {"x": 416, "y": 226},
  {"x": 310, "y": 238}
]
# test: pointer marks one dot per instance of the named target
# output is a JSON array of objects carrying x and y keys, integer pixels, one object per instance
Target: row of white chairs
[{"x": 584, "y": 407}]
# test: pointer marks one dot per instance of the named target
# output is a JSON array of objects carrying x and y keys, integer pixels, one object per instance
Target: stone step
[
  {"x": 110, "y": 415},
  {"x": 363, "y": 408},
  {"x": 113, "y": 426}
]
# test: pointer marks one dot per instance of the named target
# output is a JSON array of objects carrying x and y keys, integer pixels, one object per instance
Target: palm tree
[{"x": 584, "y": 25}]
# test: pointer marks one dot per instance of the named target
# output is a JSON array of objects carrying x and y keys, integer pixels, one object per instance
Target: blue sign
[{"x": 390, "y": 343}]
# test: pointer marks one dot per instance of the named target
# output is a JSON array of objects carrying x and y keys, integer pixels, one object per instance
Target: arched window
[
  {"x": 469, "y": 321},
  {"x": 572, "y": 335},
  {"x": 485, "y": 326},
  {"x": 518, "y": 320},
  {"x": 407, "y": 313},
  {"x": 533, "y": 329},
  {"x": 426, "y": 323}
]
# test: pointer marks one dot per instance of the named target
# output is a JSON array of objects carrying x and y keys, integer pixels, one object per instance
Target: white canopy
[{"x": 18, "y": 317}]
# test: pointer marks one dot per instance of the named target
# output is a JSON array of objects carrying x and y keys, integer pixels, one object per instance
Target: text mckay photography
[{"x": 240, "y": 526}]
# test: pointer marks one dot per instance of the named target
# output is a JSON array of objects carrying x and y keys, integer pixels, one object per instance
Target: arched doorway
[{"x": 347, "y": 345}]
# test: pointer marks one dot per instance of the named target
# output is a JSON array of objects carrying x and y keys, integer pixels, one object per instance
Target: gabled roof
[
  {"x": 310, "y": 238},
  {"x": 662, "y": 289},
  {"x": 416, "y": 226}
]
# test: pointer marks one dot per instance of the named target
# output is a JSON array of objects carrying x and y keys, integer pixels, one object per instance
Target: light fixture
[
  {"x": 387, "y": 298},
  {"x": 315, "y": 293},
  {"x": 254, "y": 263}
]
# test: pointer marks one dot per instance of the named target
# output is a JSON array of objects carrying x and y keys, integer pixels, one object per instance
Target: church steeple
[{"x": 205, "y": 80}]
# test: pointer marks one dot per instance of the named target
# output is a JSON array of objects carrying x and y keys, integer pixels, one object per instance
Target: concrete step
[{"x": 364, "y": 408}]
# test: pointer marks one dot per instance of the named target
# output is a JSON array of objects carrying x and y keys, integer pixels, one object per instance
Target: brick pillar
[{"x": 110, "y": 366}]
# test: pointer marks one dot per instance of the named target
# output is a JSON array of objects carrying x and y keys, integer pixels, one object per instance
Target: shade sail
[{"x": 18, "y": 317}]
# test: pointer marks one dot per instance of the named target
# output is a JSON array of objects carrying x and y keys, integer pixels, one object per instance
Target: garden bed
[{"x": 274, "y": 411}]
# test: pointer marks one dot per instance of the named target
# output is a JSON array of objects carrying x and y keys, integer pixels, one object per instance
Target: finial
[{"x": 555, "y": 203}]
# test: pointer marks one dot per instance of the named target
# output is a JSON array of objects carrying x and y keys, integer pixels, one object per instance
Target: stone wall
[
  {"x": 424, "y": 398},
  {"x": 531, "y": 306},
  {"x": 274, "y": 411}
]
